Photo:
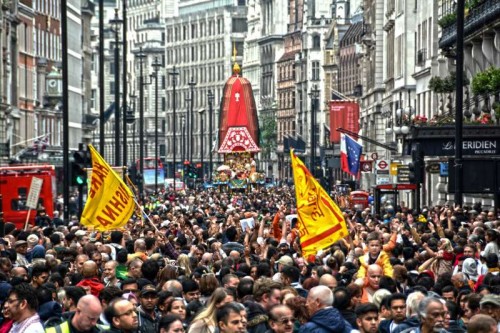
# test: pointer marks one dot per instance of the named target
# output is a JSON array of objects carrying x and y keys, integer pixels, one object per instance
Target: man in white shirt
[{"x": 21, "y": 306}]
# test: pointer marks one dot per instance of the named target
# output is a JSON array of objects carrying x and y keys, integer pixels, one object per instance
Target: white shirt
[{"x": 29, "y": 325}]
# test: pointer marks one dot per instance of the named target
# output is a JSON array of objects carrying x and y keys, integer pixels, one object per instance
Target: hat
[
  {"x": 490, "y": 299},
  {"x": 148, "y": 289},
  {"x": 80, "y": 233},
  {"x": 32, "y": 240},
  {"x": 285, "y": 260},
  {"x": 165, "y": 223},
  {"x": 20, "y": 242}
]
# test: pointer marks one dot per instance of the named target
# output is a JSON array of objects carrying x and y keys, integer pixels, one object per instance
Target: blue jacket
[
  {"x": 413, "y": 321},
  {"x": 328, "y": 320}
]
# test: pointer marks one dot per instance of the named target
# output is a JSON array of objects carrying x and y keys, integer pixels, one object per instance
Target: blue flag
[{"x": 350, "y": 154}]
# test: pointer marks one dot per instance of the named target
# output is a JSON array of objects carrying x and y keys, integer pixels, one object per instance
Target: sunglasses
[{"x": 285, "y": 320}]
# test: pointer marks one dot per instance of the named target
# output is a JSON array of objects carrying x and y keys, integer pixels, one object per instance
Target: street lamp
[
  {"x": 191, "y": 84},
  {"x": 200, "y": 112},
  {"x": 314, "y": 94},
  {"x": 156, "y": 67},
  {"x": 116, "y": 22},
  {"x": 405, "y": 128},
  {"x": 174, "y": 74},
  {"x": 210, "y": 130}
]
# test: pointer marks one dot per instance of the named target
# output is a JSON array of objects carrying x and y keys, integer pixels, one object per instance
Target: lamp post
[
  {"x": 459, "y": 62},
  {"x": 188, "y": 120},
  {"x": 140, "y": 175},
  {"x": 191, "y": 84},
  {"x": 124, "y": 79},
  {"x": 156, "y": 67},
  {"x": 210, "y": 130},
  {"x": 314, "y": 94},
  {"x": 133, "y": 98},
  {"x": 183, "y": 139},
  {"x": 101, "y": 80},
  {"x": 200, "y": 112},
  {"x": 116, "y": 22},
  {"x": 174, "y": 74}
]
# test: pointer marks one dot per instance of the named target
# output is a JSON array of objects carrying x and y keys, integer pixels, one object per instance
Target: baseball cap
[
  {"x": 490, "y": 299},
  {"x": 20, "y": 242},
  {"x": 285, "y": 260},
  {"x": 148, "y": 290}
]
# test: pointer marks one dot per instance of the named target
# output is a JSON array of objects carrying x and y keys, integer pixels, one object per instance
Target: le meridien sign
[
  {"x": 477, "y": 140},
  {"x": 470, "y": 147}
]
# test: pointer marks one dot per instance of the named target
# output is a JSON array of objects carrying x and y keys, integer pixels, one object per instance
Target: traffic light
[
  {"x": 192, "y": 171},
  {"x": 199, "y": 171},
  {"x": 417, "y": 165},
  {"x": 186, "y": 168},
  {"x": 81, "y": 161}
]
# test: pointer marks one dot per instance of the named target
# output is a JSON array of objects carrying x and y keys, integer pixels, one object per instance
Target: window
[
  {"x": 400, "y": 7},
  {"x": 316, "y": 42},
  {"x": 240, "y": 25},
  {"x": 193, "y": 31},
  {"x": 315, "y": 71},
  {"x": 92, "y": 98},
  {"x": 398, "y": 56}
]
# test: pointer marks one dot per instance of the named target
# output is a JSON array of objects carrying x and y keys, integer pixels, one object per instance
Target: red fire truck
[{"x": 15, "y": 185}]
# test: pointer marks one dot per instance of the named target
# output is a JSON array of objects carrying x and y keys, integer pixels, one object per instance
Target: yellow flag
[
  {"x": 320, "y": 221},
  {"x": 110, "y": 202}
]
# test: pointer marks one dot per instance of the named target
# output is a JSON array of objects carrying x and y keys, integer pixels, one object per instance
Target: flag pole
[{"x": 142, "y": 214}]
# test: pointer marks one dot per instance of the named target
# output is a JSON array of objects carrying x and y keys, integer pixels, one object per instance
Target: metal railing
[{"x": 478, "y": 17}]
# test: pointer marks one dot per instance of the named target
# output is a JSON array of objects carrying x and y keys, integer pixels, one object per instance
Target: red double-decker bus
[{"x": 150, "y": 172}]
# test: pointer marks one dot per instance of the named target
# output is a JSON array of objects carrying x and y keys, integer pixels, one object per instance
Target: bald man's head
[
  {"x": 373, "y": 275},
  {"x": 328, "y": 280},
  {"x": 89, "y": 269},
  {"x": 87, "y": 313}
]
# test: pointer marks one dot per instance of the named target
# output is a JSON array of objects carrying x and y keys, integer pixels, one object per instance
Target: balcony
[{"x": 477, "y": 18}]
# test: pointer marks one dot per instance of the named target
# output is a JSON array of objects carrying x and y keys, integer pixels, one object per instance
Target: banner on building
[{"x": 343, "y": 114}]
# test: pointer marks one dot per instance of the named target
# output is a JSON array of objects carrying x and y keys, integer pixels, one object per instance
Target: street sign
[
  {"x": 382, "y": 179},
  {"x": 433, "y": 167},
  {"x": 394, "y": 168},
  {"x": 382, "y": 165},
  {"x": 366, "y": 166},
  {"x": 34, "y": 194},
  {"x": 403, "y": 173},
  {"x": 443, "y": 169}
]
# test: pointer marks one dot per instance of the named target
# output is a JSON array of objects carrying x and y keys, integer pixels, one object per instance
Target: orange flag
[{"x": 321, "y": 222}]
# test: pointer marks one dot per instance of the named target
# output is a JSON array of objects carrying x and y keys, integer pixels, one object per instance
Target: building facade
[{"x": 201, "y": 44}]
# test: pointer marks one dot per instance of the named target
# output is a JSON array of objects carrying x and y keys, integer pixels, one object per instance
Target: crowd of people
[{"x": 192, "y": 266}]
